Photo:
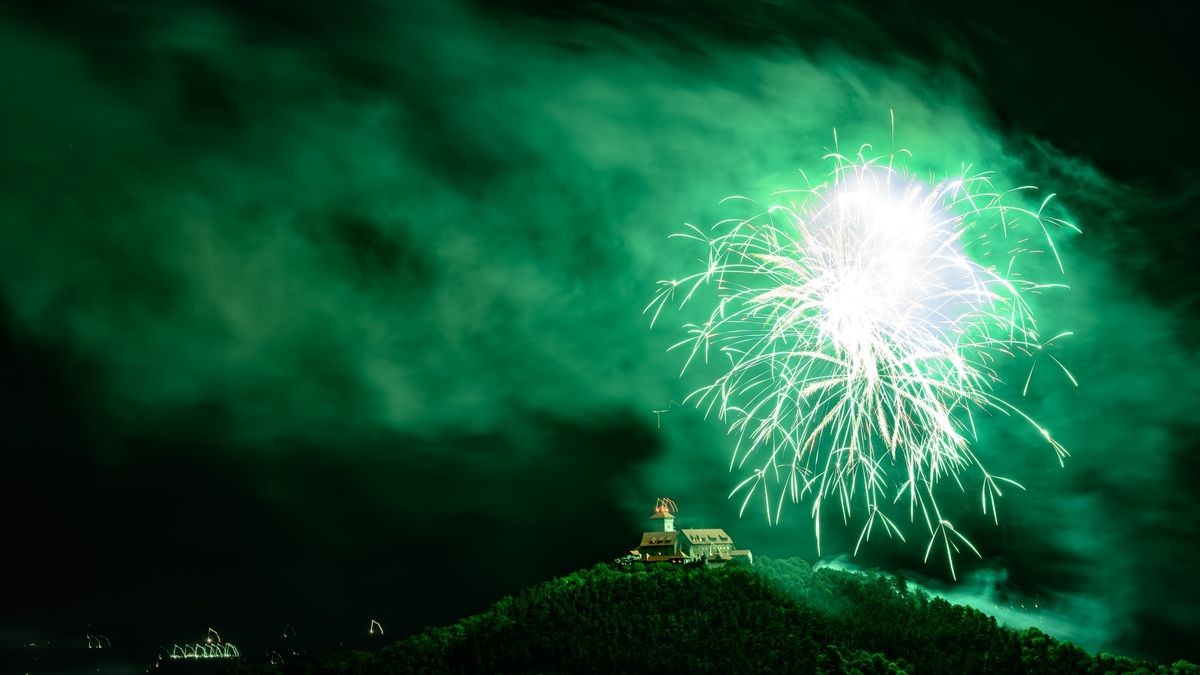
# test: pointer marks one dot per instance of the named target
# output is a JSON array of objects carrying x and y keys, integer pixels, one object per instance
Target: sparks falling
[{"x": 863, "y": 320}]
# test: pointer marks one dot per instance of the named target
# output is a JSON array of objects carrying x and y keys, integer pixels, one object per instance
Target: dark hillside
[{"x": 778, "y": 616}]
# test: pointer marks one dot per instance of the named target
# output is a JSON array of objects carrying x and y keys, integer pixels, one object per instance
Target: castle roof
[
  {"x": 707, "y": 536},
  {"x": 658, "y": 539}
]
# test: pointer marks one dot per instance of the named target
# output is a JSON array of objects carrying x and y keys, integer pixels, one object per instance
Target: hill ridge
[{"x": 777, "y": 616}]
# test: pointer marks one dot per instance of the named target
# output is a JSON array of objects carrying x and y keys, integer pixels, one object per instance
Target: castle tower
[{"x": 663, "y": 518}]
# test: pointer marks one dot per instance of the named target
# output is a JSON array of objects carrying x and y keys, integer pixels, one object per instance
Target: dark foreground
[{"x": 778, "y": 616}]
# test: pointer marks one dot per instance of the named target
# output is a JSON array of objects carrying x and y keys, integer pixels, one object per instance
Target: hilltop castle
[{"x": 663, "y": 543}]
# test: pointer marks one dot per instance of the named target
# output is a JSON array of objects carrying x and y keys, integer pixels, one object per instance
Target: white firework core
[{"x": 861, "y": 338}]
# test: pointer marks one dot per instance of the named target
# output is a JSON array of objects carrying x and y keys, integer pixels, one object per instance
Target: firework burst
[{"x": 863, "y": 320}]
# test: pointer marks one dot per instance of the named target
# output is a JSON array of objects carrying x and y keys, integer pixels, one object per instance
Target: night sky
[{"x": 312, "y": 313}]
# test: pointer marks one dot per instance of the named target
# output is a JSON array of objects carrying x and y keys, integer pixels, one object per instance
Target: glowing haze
[{"x": 862, "y": 320}]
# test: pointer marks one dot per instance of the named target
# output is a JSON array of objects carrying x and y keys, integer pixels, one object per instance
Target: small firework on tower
[{"x": 664, "y": 515}]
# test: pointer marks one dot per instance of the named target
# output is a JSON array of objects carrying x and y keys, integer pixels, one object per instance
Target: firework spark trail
[{"x": 862, "y": 338}]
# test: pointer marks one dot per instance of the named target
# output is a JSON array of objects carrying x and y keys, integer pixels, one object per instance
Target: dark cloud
[{"x": 289, "y": 293}]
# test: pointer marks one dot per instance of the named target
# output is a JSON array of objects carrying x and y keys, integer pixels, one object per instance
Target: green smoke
[{"x": 448, "y": 220}]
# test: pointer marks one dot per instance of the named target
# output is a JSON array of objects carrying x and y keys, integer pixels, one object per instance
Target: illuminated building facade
[{"x": 663, "y": 543}]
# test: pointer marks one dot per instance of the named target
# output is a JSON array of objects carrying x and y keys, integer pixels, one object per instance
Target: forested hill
[{"x": 778, "y": 616}]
